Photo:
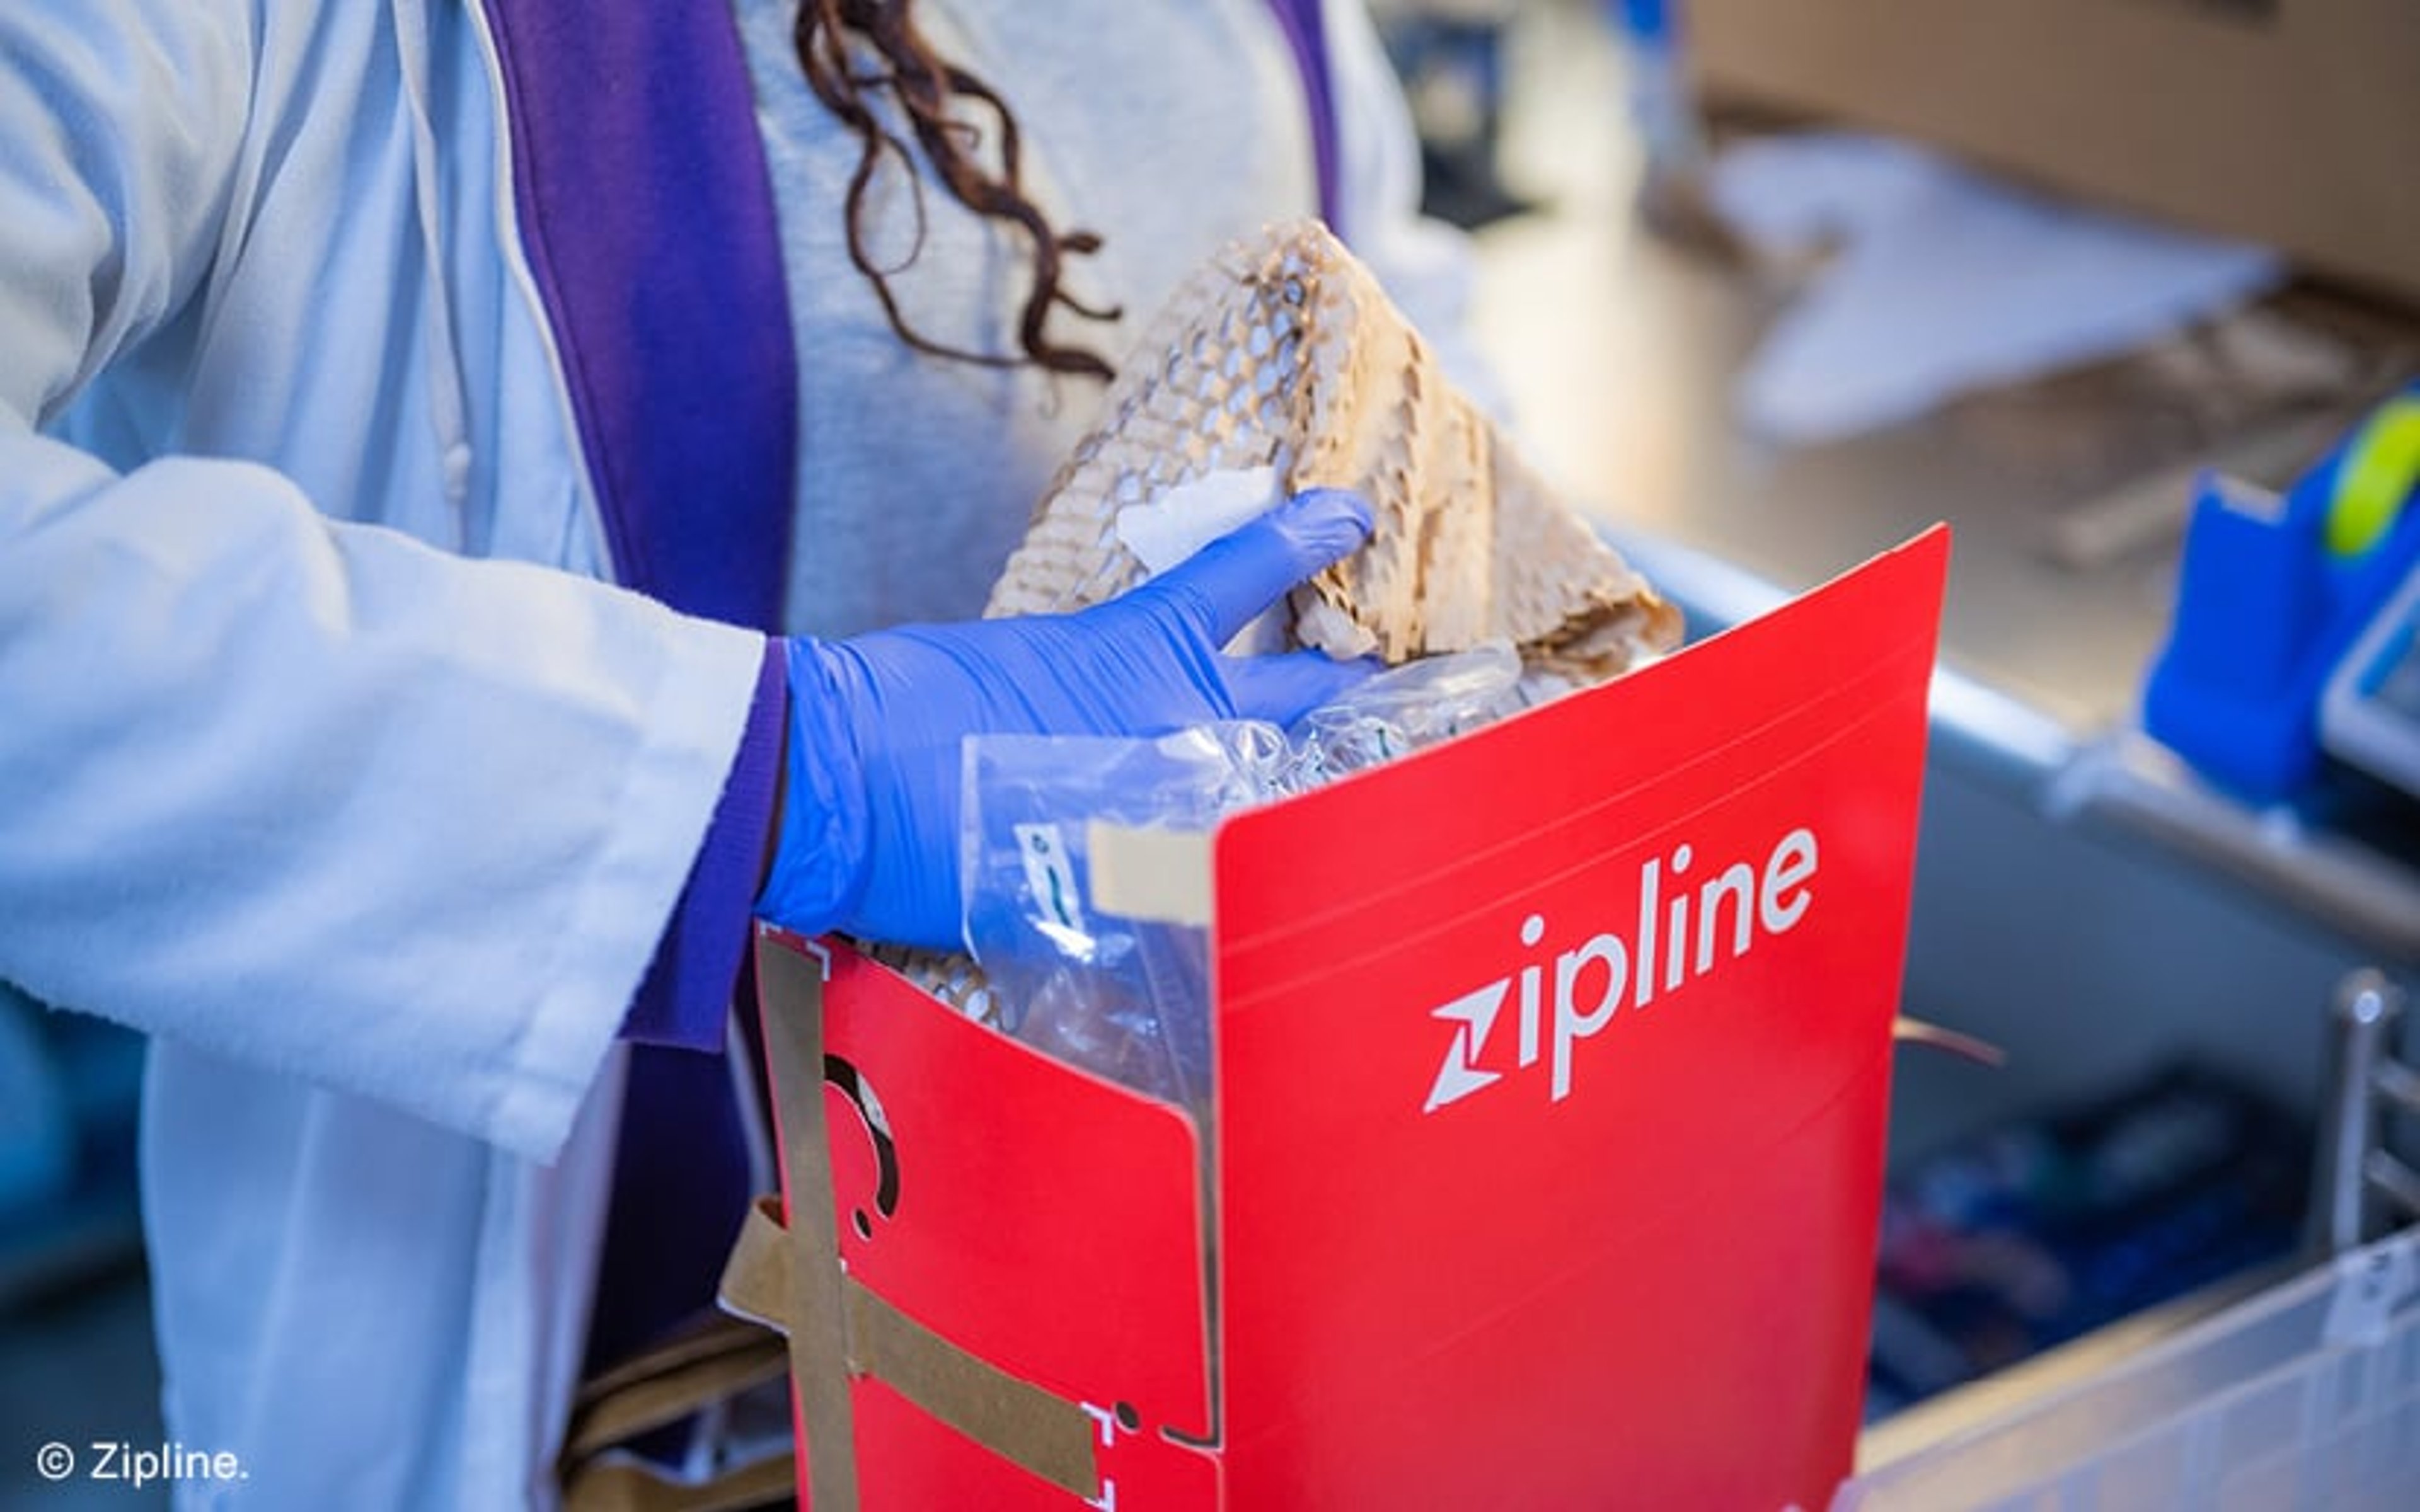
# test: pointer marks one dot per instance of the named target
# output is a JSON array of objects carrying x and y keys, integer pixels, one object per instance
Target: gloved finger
[
  {"x": 1225, "y": 585},
  {"x": 1283, "y": 687}
]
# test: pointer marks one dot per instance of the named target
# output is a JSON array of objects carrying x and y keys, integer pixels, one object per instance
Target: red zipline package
[{"x": 1552, "y": 1067}]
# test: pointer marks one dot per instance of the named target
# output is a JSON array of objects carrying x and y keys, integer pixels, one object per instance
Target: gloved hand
[{"x": 867, "y": 838}]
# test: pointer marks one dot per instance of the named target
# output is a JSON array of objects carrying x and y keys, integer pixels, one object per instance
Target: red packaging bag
[{"x": 1552, "y": 1072}]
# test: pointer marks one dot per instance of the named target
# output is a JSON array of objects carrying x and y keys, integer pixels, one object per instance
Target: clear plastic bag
[
  {"x": 1129, "y": 999},
  {"x": 1122, "y": 997},
  {"x": 1405, "y": 708}
]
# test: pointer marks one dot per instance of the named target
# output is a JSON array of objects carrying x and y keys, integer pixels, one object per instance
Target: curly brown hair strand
[{"x": 927, "y": 89}]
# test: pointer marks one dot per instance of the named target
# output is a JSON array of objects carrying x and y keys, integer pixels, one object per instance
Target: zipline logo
[{"x": 1734, "y": 909}]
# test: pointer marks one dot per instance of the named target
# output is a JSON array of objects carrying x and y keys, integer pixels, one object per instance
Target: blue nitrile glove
[{"x": 868, "y": 837}]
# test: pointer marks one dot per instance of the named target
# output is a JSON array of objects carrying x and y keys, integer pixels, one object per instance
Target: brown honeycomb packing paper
[{"x": 1282, "y": 352}]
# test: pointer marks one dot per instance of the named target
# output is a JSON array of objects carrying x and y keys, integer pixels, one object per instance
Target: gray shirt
[{"x": 1167, "y": 125}]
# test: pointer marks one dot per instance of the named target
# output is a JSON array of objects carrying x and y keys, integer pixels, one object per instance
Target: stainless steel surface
[
  {"x": 2355, "y": 889},
  {"x": 2397, "y": 1182},
  {"x": 2367, "y": 1011},
  {"x": 2398, "y": 1086}
]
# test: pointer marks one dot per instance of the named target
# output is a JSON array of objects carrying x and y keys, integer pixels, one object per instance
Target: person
[{"x": 492, "y": 494}]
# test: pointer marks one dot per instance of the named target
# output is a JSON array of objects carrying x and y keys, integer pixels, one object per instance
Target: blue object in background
[
  {"x": 70, "y": 1090},
  {"x": 2272, "y": 597},
  {"x": 2027, "y": 1235},
  {"x": 1647, "y": 22},
  {"x": 37, "y": 1145},
  {"x": 1660, "y": 102}
]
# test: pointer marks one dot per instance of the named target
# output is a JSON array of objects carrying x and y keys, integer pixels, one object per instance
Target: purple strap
[
  {"x": 1306, "y": 32},
  {"x": 645, "y": 208},
  {"x": 648, "y": 219}
]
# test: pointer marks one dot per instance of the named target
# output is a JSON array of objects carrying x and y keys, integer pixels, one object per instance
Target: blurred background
[
  {"x": 76, "y": 1360},
  {"x": 1770, "y": 286}
]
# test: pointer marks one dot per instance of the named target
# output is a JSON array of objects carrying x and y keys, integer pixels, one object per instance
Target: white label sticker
[{"x": 1049, "y": 875}]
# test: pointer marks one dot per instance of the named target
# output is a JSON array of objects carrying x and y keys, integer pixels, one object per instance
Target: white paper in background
[{"x": 1944, "y": 281}]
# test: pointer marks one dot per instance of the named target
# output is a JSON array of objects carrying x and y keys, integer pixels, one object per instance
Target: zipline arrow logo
[{"x": 1460, "y": 1076}]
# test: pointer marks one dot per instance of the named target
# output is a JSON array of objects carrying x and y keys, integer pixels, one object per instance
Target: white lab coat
[{"x": 374, "y": 838}]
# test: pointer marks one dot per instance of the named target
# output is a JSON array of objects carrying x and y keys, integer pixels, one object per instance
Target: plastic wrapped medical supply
[
  {"x": 1129, "y": 999},
  {"x": 1126, "y": 999},
  {"x": 1419, "y": 704}
]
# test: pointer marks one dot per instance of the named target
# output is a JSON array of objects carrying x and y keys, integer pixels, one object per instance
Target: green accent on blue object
[
  {"x": 2377, "y": 477},
  {"x": 2270, "y": 601}
]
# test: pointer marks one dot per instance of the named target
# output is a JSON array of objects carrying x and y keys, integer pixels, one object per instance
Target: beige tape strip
[
  {"x": 1161, "y": 874},
  {"x": 757, "y": 1276},
  {"x": 1017, "y": 1420},
  {"x": 792, "y": 989},
  {"x": 790, "y": 1277}
]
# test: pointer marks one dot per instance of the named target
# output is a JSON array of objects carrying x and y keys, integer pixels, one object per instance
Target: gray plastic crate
[{"x": 2306, "y": 1397}]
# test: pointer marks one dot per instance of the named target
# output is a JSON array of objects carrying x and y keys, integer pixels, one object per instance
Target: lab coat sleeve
[
  {"x": 685, "y": 1001},
  {"x": 308, "y": 795},
  {"x": 1423, "y": 263}
]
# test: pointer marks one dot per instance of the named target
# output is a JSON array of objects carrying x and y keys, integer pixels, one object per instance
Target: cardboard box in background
[
  {"x": 2295, "y": 123},
  {"x": 1552, "y": 1070}
]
